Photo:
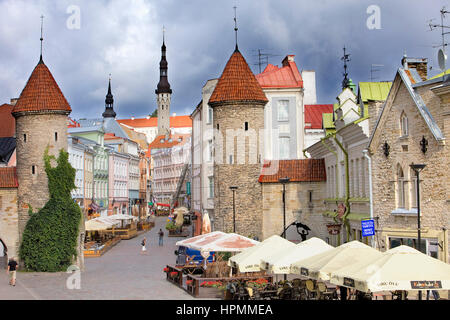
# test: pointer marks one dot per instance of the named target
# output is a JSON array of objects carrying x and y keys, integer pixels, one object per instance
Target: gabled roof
[
  {"x": 175, "y": 122},
  {"x": 287, "y": 76},
  {"x": 377, "y": 91},
  {"x": 160, "y": 142},
  {"x": 237, "y": 84},
  {"x": 408, "y": 80},
  {"x": 8, "y": 178},
  {"x": 41, "y": 93},
  {"x": 7, "y": 121},
  {"x": 302, "y": 170},
  {"x": 314, "y": 115}
]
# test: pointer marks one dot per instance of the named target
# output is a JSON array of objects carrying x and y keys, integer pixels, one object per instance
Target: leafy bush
[
  {"x": 49, "y": 241},
  {"x": 171, "y": 226}
]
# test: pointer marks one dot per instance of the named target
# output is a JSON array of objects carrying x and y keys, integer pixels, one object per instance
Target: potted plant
[{"x": 212, "y": 289}]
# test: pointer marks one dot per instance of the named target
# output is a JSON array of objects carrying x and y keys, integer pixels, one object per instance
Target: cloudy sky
[{"x": 123, "y": 38}]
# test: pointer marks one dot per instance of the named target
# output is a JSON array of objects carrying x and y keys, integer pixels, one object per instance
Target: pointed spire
[
  {"x": 109, "y": 103},
  {"x": 236, "y": 28},
  {"x": 42, "y": 37},
  {"x": 163, "y": 85},
  {"x": 345, "y": 58}
]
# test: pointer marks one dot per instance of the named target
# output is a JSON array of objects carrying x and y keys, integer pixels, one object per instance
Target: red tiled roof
[
  {"x": 7, "y": 121},
  {"x": 157, "y": 144},
  {"x": 302, "y": 170},
  {"x": 175, "y": 122},
  {"x": 313, "y": 115},
  {"x": 110, "y": 136},
  {"x": 237, "y": 83},
  {"x": 8, "y": 178},
  {"x": 287, "y": 76},
  {"x": 41, "y": 93},
  {"x": 71, "y": 123}
]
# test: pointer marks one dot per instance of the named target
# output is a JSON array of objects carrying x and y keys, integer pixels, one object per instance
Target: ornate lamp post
[
  {"x": 234, "y": 208},
  {"x": 417, "y": 169}
]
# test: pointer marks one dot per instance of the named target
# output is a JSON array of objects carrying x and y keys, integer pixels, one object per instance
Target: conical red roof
[
  {"x": 41, "y": 93},
  {"x": 237, "y": 83}
]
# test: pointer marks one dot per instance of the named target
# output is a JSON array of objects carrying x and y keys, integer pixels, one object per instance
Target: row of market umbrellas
[
  {"x": 103, "y": 223},
  {"x": 352, "y": 264}
]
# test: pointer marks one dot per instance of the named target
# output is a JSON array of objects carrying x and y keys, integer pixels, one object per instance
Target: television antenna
[
  {"x": 442, "y": 57},
  {"x": 263, "y": 58},
  {"x": 374, "y": 68}
]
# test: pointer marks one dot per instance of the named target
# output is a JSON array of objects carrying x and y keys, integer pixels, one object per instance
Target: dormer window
[{"x": 403, "y": 125}]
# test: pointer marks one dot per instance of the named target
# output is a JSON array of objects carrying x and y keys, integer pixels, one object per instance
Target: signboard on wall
[{"x": 368, "y": 228}]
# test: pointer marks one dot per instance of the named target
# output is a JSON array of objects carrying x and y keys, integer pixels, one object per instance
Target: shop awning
[{"x": 163, "y": 205}]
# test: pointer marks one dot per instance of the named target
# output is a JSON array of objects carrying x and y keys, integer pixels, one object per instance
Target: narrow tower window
[
  {"x": 246, "y": 126},
  {"x": 24, "y": 138},
  {"x": 33, "y": 170},
  {"x": 56, "y": 136}
]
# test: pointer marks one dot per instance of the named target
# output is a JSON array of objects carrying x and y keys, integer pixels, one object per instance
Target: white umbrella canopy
[
  {"x": 219, "y": 242},
  {"x": 123, "y": 217},
  {"x": 320, "y": 266},
  {"x": 93, "y": 225},
  {"x": 400, "y": 268},
  {"x": 108, "y": 221},
  {"x": 280, "y": 263},
  {"x": 249, "y": 261},
  {"x": 230, "y": 242}
]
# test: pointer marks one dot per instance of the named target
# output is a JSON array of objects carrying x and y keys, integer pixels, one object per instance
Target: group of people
[{"x": 144, "y": 241}]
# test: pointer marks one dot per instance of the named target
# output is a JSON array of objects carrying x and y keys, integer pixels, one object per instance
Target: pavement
[{"x": 122, "y": 273}]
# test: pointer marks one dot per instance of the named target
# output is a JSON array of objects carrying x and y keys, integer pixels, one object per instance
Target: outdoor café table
[{"x": 385, "y": 295}]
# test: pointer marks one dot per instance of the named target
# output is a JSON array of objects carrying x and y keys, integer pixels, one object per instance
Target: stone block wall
[
  {"x": 434, "y": 185},
  {"x": 9, "y": 219}
]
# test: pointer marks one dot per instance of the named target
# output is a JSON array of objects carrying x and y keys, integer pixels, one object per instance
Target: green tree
[
  {"x": 49, "y": 241},
  {"x": 154, "y": 114}
]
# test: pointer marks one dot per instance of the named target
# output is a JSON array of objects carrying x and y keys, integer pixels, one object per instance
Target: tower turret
[
  {"x": 109, "y": 104},
  {"x": 163, "y": 94}
]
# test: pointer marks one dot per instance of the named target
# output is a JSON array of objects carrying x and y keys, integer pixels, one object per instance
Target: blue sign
[{"x": 368, "y": 228}]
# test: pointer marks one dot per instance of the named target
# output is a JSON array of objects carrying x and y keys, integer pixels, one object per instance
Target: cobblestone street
[{"x": 121, "y": 274}]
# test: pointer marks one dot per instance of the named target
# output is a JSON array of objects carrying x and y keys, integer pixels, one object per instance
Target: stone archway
[{"x": 3, "y": 255}]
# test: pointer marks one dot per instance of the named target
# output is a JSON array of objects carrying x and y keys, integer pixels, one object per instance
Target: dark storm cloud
[{"x": 124, "y": 38}]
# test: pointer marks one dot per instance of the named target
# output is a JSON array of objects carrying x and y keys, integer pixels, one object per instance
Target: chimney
[
  {"x": 289, "y": 58},
  {"x": 420, "y": 64},
  {"x": 14, "y": 101}
]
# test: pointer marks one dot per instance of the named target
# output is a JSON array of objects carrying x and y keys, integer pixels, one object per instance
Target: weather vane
[
  {"x": 235, "y": 27},
  {"x": 345, "y": 58},
  {"x": 42, "y": 34}
]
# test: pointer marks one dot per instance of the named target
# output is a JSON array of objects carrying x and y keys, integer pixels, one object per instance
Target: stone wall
[
  {"x": 244, "y": 175},
  {"x": 9, "y": 232},
  {"x": 434, "y": 185}
]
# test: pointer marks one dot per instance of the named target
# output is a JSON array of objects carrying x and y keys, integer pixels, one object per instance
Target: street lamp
[
  {"x": 417, "y": 169},
  {"x": 284, "y": 181},
  {"x": 234, "y": 208}
]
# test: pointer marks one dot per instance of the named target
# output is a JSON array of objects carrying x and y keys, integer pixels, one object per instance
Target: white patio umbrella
[
  {"x": 203, "y": 237},
  {"x": 218, "y": 241},
  {"x": 400, "y": 268},
  {"x": 93, "y": 225},
  {"x": 280, "y": 262},
  {"x": 249, "y": 261},
  {"x": 320, "y": 266},
  {"x": 108, "y": 221}
]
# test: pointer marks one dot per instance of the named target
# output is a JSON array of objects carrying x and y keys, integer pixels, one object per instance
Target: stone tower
[
  {"x": 41, "y": 115},
  {"x": 238, "y": 112},
  {"x": 163, "y": 95},
  {"x": 109, "y": 104}
]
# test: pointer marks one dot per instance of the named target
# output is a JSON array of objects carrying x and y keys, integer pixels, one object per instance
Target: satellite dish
[{"x": 442, "y": 59}]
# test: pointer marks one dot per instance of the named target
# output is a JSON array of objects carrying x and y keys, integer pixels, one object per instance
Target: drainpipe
[
  {"x": 369, "y": 161},
  {"x": 347, "y": 187}
]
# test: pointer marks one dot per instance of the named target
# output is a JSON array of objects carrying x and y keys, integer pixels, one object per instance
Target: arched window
[
  {"x": 403, "y": 125},
  {"x": 400, "y": 188}
]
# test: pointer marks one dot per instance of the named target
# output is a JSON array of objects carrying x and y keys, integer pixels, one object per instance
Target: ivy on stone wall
[{"x": 49, "y": 241}]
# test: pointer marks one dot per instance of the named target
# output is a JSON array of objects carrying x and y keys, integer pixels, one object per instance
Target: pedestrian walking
[
  {"x": 143, "y": 243},
  {"x": 161, "y": 237},
  {"x": 11, "y": 270}
]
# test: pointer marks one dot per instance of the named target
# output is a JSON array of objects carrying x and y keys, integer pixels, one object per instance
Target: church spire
[
  {"x": 236, "y": 28},
  {"x": 163, "y": 85},
  {"x": 109, "y": 103},
  {"x": 42, "y": 37}
]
